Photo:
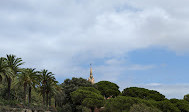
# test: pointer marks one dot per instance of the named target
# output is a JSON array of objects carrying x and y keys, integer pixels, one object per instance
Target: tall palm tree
[
  {"x": 56, "y": 92},
  {"x": 27, "y": 77},
  {"x": 33, "y": 81},
  {"x": 13, "y": 63},
  {"x": 59, "y": 96},
  {"x": 44, "y": 77},
  {"x": 2, "y": 68},
  {"x": 51, "y": 90}
]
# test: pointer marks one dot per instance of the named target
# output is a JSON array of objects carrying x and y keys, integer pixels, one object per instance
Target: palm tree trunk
[
  {"x": 43, "y": 96},
  {"x": 50, "y": 100},
  {"x": 55, "y": 102},
  {"x": 9, "y": 87},
  {"x": 47, "y": 99},
  {"x": 29, "y": 94},
  {"x": 25, "y": 92},
  {"x": 92, "y": 109}
]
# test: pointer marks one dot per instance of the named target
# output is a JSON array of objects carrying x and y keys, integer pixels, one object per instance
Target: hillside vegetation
[{"x": 27, "y": 88}]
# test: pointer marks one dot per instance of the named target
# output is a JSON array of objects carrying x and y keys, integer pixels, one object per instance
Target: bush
[
  {"x": 182, "y": 105},
  {"x": 4, "y": 108},
  {"x": 12, "y": 103},
  {"x": 120, "y": 103},
  {"x": 85, "y": 109},
  {"x": 167, "y": 106},
  {"x": 143, "y": 108},
  {"x": 66, "y": 108},
  {"x": 53, "y": 109}
]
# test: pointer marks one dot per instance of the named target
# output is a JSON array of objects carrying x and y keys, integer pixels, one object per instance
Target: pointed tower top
[
  {"x": 91, "y": 74},
  {"x": 91, "y": 78}
]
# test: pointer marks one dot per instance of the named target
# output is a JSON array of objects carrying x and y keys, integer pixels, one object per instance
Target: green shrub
[
  {"x": 167, "y": 106},
  {"x": 120, "y": 103},
  {"x": 143, "y": 108},
  {"x": 182, "y": 105}
]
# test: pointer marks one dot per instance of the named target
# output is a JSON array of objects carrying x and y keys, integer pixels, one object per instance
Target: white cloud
[
  {"x": 141, "y": 67},
  {"x": 113, "y": 69},
  {"x": 154, "y": 84}
]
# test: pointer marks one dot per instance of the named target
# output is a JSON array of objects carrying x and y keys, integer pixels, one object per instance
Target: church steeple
[
  {"x": 91, "y": 78},
  {"x": 91, "y": 74}
]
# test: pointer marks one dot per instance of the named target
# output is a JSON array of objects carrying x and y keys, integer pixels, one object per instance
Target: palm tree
[
  {"x": 2, "y": 68},
  {"x": 13, "y": 64},
  {"x": 27, "y": 77},
  {"x": 33, "y": 81},
  {"x": 59, "y": 96},
  {"x": 56, "y": 93},
  {"x": 45, "y": 77},
  {"x": 51, "y": 89},
  {"x": 22, "y": 80}
]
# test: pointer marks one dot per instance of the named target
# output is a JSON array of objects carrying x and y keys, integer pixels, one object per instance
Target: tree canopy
[
  {"x": 124, "y": 104},
  {"x": 88, "y": 97},
  {"x": 108, "y": 89},
  {"x": 68, "y": 86},
  {"x": 182, "y": 105},
  {"x": 143, "y": 93},
  {"x": 186, "y": 97}
]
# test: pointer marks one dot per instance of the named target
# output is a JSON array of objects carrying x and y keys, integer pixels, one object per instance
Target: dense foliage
[
  {"x": 68, "y": 87},
  {"x": 108, "y": 89},
  {"x": 123, "y": 104},
  {"x": 182, "y": 105},
  {"x": 143, "y": 93},
  {"x": 39, "y": 90},
  {"x": 88, "y": 97},
  {"x": 23, "y": 87}
]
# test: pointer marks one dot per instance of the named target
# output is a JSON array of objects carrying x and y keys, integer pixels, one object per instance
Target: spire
[
  {"x": 91, "y": 74},
  {"x": 91, "y": 78}
]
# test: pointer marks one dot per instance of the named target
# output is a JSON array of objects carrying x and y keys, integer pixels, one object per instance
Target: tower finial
[
  {"x": 91, "y": 74},
  {"x": 91, "y": 78}
]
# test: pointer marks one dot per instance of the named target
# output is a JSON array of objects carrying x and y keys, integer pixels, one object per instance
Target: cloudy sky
[{"x": 142, "y": 43}]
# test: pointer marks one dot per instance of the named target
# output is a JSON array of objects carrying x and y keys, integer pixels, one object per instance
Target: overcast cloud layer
[{"x": 64, "y": 36}]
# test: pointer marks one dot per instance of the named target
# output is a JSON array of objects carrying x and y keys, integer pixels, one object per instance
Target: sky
[{"x": 143, "y": 43}]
